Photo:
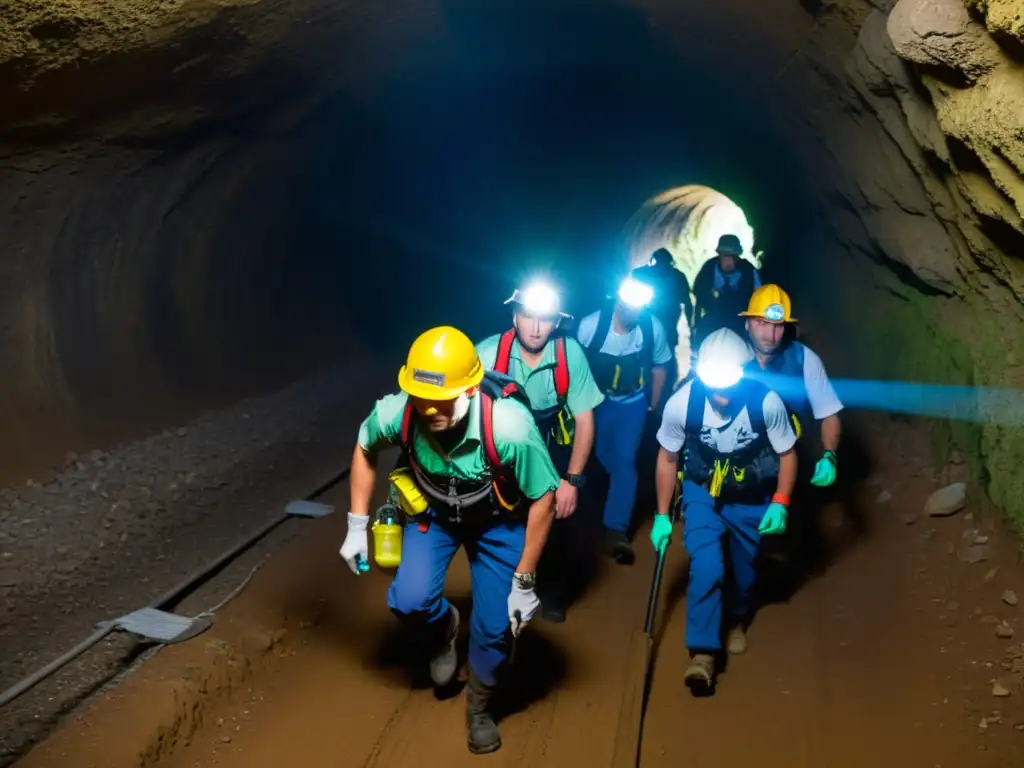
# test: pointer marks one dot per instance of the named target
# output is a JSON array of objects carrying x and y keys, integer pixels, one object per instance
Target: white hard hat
[
  {"x": 721, "y": 358},
  {"x": 538, "y": 298}
]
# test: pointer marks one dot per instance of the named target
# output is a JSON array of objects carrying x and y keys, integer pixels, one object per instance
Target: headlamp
[
  {"x": 718, "y": 374},
  {"x": 539, "y": 299},
  {"x": 635, "y": 294}
]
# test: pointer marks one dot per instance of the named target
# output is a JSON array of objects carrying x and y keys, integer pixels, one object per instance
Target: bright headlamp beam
[
  {"x": 718, "y": 375},
  {"x": 540, "y": 299},
  {"x": 635, "y": 294}
]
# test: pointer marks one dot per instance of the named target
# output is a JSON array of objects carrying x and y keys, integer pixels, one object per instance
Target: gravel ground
[{"x": 111, "y": 531}]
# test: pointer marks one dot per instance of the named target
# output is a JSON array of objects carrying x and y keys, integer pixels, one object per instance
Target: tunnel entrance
[{"x": 687, "y": 221}]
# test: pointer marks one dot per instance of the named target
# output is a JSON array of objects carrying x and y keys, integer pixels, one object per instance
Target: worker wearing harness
[
  {"x": 627, "y": 349},
  {"x": 476, "y": 474},
  {"x": 795, "y": 371},
  {"x": 792, "y": 369},
  {"x": 739, "y": 468},
  {"x": 553, "y": 372},
  {"x": 721, "y": 290}
]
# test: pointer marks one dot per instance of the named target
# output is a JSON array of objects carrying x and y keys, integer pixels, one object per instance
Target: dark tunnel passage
[{"x": 208, "y": 262}]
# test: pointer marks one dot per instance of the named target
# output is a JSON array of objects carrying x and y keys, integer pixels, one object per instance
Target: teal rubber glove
[
  {"x": 774, "y": 520},
  {"x": 825, "y": 470},
  {"x": 661, "y": 533}
]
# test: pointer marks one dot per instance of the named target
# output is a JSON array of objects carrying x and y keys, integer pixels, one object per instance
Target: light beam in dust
[{"x": 988, "y": 405}]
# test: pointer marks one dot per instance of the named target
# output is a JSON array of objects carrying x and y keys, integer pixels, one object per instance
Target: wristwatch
[
  {"x": 576, "y": 481},
  {"x": 525, "y": 581}
]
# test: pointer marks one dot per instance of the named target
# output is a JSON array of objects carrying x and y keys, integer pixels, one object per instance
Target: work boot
[
  {"x": 483, "y": 731},
  {"x": 445, "y": 663},
  {"x": 736, "y": 641},
  {"x": 700, "y": 675},
  {"x": 618, "y": 548}
]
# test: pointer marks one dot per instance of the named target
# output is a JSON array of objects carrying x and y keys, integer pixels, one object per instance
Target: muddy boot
[
  {"x": 736, "y": 641},
  {"x": 700, "y": 675},
  {"x": 445, "y": 662},
  {"x": 483, "y": 731},
  {"x": 617, "y": 547}
]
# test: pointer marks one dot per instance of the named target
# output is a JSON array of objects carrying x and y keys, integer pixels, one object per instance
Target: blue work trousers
[
  {"x": 417, "y": 590},
  {"x": 715, "y": 534},
  {"x": 619, "y": 427}
]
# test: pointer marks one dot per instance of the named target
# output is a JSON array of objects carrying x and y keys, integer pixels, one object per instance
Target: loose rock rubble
[
  {"x": 109, "y": 531},
  {"x": 947, "y": 501}
]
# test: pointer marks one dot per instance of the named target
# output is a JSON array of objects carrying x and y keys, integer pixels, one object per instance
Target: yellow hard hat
[
  {"x": 771, "y": 303},
  {"x": 442, "y": 364}
]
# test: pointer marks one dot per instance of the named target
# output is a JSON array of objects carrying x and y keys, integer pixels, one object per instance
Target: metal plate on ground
[
  {"x": 162, "y": 626},
  {"x": 303, "y": 508}
]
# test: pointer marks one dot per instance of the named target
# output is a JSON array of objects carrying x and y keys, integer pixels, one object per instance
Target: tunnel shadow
[
  {"x": 826, "y": 523},
  {"x": 536, "y": 668},
  {"x": 400, "y": 654}
]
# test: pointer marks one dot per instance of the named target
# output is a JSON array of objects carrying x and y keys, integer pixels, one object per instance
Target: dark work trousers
[{"x": 565, "y": 564}]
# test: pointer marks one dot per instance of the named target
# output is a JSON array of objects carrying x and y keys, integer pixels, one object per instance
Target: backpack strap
[
  {"x": 561, "y": 369},
  {"x": 503, "y": 482},
  {"x": 695, "y": 410},
  {"x": 646, "y": 323},
  {"x": 798, "y": 348},
  {"x": 755, "y": 396},
  {"x": 487, "y": 416},
  {"x": 604, "y": 324},
  {"x": 405, "y": 436},
  {"x": 504, "y": 354}
]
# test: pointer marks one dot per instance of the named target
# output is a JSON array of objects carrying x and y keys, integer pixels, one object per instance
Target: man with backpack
[
  {"x": 797, "y": 374},
  {"x": 553, "y": 372},
  {"x": 627, "y": 349},
  {"x": 476, "y": 473},
  {"x": 739, "y": 469},
  {"x": 795, "y": 371},
  {"x": 721, "y": 290}
]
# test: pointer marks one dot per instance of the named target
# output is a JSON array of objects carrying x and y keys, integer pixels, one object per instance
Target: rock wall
[{"x": 927, "y": 133}]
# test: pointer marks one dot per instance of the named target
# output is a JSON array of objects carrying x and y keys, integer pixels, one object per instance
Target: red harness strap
[{"x": 503, "y": 357}]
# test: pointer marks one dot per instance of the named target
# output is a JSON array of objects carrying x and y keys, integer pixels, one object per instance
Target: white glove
[
  {"x": 522, "y": 606},
  {"x": 355, "y": 550}
]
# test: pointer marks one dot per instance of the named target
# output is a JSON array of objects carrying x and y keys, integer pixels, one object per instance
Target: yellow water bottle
[{"x": 387, "y": 537}]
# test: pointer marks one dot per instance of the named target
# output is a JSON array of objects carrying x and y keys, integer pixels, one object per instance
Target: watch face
[
  {"x": 577, "y": 480},
  {"x": 525, "y": 580}
]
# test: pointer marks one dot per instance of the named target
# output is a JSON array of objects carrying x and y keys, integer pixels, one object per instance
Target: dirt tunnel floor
[{"x": 888, "y": 659}]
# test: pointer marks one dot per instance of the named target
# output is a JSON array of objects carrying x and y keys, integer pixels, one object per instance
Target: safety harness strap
[
  {"x": 503, "y": 360},
  {"x": 604, "y": 324},
  {"x": 561, "y": 369},
  {"x": 503, "y": 357}
]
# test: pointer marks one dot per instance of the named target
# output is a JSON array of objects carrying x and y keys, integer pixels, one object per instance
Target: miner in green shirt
[
  {"x": 475, "y": 472},
  {"x": 553, "y": 371}
]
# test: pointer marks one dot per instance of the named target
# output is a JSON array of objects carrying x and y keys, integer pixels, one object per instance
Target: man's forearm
[
  {"x": 658, "y": 375},
  {"x": 831, "y": 429},
  {"x": 787, "y": 473},
  {"x": 362, "y": 478},
  {"x": 665, "y": 472},
  {"x": 538, "y": 523},
  {"x": 582, "y": 443}
]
